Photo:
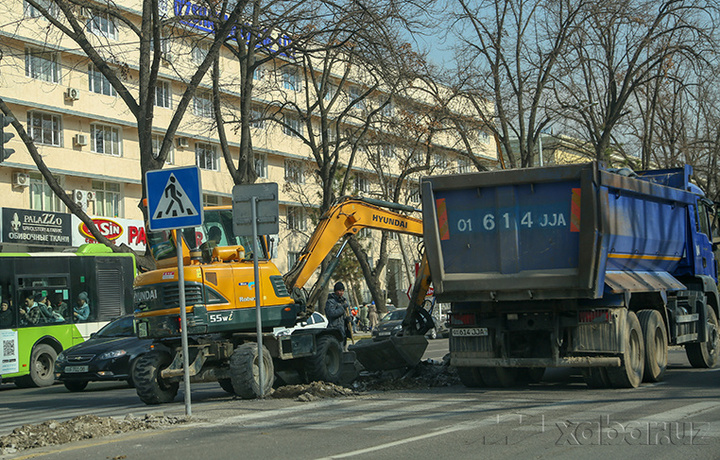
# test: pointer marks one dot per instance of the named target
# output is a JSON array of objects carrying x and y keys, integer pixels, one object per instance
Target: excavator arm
[{"x": 346, "y": 218}]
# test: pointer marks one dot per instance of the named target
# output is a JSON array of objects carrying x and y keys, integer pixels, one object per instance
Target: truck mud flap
[{"x": 392, "y": 353}]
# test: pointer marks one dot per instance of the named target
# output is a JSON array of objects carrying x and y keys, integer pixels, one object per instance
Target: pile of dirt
[
  {"x": 427, "y": 374},
  {"x": 79, "y": 428},
  {"x": 312, "y": 391}
]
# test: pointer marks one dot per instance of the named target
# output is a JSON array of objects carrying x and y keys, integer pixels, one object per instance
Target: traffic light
[{"x": 4, "y": 137}]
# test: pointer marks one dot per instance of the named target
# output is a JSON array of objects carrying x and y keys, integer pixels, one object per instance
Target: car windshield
[
  {"x": 394, "y": 315},
  {"x": 121, "y": 327}
]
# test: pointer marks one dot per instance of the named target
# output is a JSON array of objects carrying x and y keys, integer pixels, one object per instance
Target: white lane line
[{"x": 425, "y": 418}]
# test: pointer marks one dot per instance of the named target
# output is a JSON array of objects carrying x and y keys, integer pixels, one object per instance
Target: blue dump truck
[{"x": 573, "y": 266}]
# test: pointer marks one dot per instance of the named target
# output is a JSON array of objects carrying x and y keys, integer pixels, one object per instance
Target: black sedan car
[
  {"x": 391, "y": 324},
  {"x": 107, "y": 355}
]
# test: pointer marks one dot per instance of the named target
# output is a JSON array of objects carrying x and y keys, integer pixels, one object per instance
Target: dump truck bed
[{"x": 554, "y": 233}]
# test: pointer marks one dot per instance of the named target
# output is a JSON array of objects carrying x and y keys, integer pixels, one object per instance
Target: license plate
[
  {"x": 470, "y": 332},
  {"x": 75, "y": 369},
  {"x": 382, "y": 334}
]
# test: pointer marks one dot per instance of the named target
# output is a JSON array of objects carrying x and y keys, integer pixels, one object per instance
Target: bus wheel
[
  {"x": 150, "y": 387},
  {"x": 326, "y": 364},
  {"x": 705, "y": 355},
  {"x": 42, "y": 367},
  {"x": 244, "y": 370},
  {"x": 75, "y": 385}
]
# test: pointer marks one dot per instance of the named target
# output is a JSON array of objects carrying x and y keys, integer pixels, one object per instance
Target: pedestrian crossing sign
[{"x": 174, "y": 197}]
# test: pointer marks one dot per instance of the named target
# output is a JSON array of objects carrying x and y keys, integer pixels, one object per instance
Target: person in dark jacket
[{"x": 335, "y": 309}]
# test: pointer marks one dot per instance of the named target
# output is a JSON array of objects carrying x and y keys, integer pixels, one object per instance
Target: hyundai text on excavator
[{"x": 220, "y": 307}]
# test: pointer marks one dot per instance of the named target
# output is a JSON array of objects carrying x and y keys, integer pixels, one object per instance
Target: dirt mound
[
  {"x": 82, "y": 427},
  {"x": 312, "y": 391},
  {"x": 427, "y": 374}
]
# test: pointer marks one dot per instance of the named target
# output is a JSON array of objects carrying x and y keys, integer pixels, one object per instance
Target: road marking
[
  {"x": 423, "y": 419},
  {"x": 675, "y": 415}
]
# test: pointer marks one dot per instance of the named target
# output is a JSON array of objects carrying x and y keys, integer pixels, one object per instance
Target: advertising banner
[{"x": 41, "y": 228}]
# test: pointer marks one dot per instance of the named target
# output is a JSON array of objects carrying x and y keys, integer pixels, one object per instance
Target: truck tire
[
  {"x": 470, "y": 377},
  {"x": 530, "y": 374},
  {"x": 76, "y": 385},
  {"x": 244, "y": 371},
  {"x": 656, "y": 344},
  {"x": 630, "y": 372},
  {"x": 226, "y": 384},
  {"x": 596, "y": 377},
  {"x": 150, "y": 387},
  {"x": 42, "y": 367},
  {"x": 705, "y": 355},
  {"x": 499, "y": 377},
  {"x": 326, "y": 364}
]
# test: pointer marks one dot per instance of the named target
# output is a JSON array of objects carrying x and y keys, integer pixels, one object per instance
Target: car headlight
[
  {"x": 112, "y": 354},
  {"x": 61, "y": 357},
  {"x": 398, "y": 327}
]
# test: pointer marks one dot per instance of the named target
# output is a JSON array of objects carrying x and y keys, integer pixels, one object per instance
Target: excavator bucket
[{"x": 392, "y": 353}]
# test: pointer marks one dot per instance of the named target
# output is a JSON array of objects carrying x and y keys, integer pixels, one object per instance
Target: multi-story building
[{"x": 88, "y": 138}]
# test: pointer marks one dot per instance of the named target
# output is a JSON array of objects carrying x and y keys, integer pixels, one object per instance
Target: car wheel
[{"x": 76, "y": 385}]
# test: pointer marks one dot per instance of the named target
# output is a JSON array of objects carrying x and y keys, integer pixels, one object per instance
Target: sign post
[
  {"x": 261, "y": 200},
  {"x": 174, "y": 199}
]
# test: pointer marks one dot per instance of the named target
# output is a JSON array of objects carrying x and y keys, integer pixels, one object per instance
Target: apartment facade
[{"x": 88, "y": 138}]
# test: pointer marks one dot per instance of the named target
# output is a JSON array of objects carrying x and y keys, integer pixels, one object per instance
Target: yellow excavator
[{"x": 221, "y": 315}]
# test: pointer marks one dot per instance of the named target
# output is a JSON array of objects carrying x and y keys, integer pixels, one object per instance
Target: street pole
[
  {"x": 183, "y": 322},
  {"x": 258, "y": 315}
]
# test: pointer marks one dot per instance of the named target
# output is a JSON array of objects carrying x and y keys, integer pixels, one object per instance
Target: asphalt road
[{"x": 557, "y": 418}]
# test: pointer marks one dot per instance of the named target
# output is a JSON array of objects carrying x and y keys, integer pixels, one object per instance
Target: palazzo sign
[{"x": 40, "y": 228}]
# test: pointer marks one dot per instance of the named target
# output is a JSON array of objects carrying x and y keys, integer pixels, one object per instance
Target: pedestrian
[
  {"x": 372, "y": 316},
  {"x": 336, "y": 309},
  {"x": 363, "y": 317}
]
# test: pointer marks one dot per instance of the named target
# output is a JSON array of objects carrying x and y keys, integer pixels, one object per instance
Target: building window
[
  {"x": 107, "y": 198},
  {"x": 211, "y": 200},
  {"x": 163, "y": 97},
  {"x": 98, "y": 83},
  {"x": 292, "y": 126},
  {"x": 200, "y": 52},
  {"x": 463, "y": 165},
  {"x": 44, "y": 128},
  {"x": 42, "y": 65},
  {"x": 296, "y": 219},
  {"x": 440, "y": 161},
  {"x": 256, "y": 119},
  {"x": 356, "y": 97},
  {"x": 261, "y": 165},
  {"x": 362, "y": 184},
  {"x": 202, "y": 104},
  {"x": 292, "y": 258},
  {"x": 32, "y": 12},
  {"x": 206, "y": 156},
  {"x": 105, "y": 139},
  {"x": 414, "y": 194},
  {"x": 364, "y": 232},
  {"x": 42, "y": 198},
  {"x": 294, "y": 171},
  {"x": 157, "y": 140},
  {"x": 258, "y": 73},
  {"x": 388, "y": 110},
  {"x": 103, "y": 26},
  {"x": 291, "y": 80},
  {"x": 331, "y": 91},
  {"x": 388, "y": 151}
]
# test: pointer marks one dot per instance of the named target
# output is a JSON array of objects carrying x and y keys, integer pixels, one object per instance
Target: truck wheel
[
  {"x": 150, "y": 387},
  {"x": 656, "y": 346},
  {"x": 244, "y": 371},
  {"x": 705, "y": 355},
  {"x": 226, "y": 384},
  {"x": 630, "y": 372},
  {"x": 76, "y": 385},
  {"x": 596, "y": 377},
  {"x": 326, "y": 364},
  {"x": 470, "y": 377},
  {"x": 499, "y": 377},
  {"x": 42, "y": 366},
  {"x": 530, "y": 374}
]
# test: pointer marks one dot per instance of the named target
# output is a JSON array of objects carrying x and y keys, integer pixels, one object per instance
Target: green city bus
[{"x": 32, "y": 341}]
